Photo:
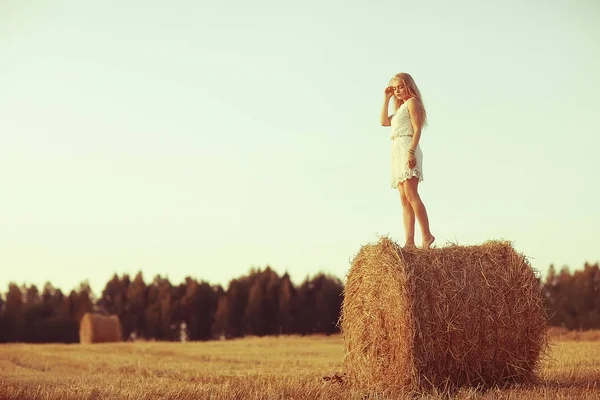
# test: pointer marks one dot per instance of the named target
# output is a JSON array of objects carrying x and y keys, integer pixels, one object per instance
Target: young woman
[{"x": 406, "y": 156}]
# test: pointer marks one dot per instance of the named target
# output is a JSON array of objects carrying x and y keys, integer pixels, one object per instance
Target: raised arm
[{"x": 384, "y": 118}]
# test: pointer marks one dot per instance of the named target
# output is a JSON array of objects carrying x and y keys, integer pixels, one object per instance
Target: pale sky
[{"x": 205, "y": 138}]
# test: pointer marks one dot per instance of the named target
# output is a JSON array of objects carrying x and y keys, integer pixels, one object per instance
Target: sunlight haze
[{"x": 205, "y": 138}]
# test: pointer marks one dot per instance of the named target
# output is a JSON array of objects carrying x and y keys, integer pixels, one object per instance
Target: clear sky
[{"x": 204, "y": 138}]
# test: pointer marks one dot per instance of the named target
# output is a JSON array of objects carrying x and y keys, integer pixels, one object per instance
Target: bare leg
[
  {"x": 408, "y": 215},
  {"x": 412, "y": 194}
]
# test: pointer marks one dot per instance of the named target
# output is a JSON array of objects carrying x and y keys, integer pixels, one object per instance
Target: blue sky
[{"x": 204, "y": 138}]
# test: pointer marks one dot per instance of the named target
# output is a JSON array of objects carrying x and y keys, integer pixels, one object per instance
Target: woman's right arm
[{"x": 384, "y": 117}]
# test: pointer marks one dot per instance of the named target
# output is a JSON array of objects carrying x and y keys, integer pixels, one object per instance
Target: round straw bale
[
  {"x": 97, "y": 328},
  {"x": 439, "y": 319}
]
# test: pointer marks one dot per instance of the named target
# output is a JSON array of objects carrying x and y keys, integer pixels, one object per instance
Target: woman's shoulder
[{"x": 411, "y": 104}]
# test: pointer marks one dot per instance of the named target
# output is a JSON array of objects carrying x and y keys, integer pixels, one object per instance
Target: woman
[{"x": 407, "y": 158}]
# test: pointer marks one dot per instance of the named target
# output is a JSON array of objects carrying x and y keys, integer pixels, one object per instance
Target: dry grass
[
  {"x": 441, "y": 319},
  {"x": 251, "y": 368}
]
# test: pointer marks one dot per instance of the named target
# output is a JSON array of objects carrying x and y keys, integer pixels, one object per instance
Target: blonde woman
[{"x": 406, "y": 122}]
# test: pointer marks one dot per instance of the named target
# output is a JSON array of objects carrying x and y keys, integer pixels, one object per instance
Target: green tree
[
  {"x": 255, "y": 317},
  {"x": 136, "y": 306},
  {"x": 199, "y": 305},
  {"x": 114, "y": 301},
  {"x": 585, "y": 297},
  {"x": 14, "y": 313},
  {"x": 320, "y": 303},
  {"x": 81, "y": 301},
  {"x": 288, "y": 306},
  {"x": 3, "y": 325},
  {"x": 328, "y": 303},
  {"x": 159, "y": 310},
  {"x": 235, "y": 307}
]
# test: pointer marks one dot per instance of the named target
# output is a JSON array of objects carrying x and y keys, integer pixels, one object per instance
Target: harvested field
[{"x": 251, "y": 368}]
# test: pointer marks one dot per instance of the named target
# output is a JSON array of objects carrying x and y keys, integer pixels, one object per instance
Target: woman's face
[{"x": 399, "y": 89}]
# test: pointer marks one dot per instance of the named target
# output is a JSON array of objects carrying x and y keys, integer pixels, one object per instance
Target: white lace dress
[{"x": 401, "y": 136}]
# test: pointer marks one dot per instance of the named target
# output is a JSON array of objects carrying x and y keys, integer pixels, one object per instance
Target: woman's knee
[
  {"x": 411, "y": 196},
  {"x": 404, "y": 200},
  {"x": 410, "y": 191}
]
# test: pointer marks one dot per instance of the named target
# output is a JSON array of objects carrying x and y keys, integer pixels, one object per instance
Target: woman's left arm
[{"x": 415, "y": 119}]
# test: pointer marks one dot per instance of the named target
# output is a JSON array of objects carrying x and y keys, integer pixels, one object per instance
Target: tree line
[
  {"x": 573, "y": 299},
  {"x": 259, "y": 303}
]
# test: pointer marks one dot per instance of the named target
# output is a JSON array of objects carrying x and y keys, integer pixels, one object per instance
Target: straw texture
[
  {"x": 97, "y": 328},
  {"x": 440, "y": 319}
]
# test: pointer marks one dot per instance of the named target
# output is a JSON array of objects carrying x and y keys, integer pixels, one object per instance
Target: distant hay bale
[
  {"x": 97, "y": 328},
  {"x": 421, "y": 320}
]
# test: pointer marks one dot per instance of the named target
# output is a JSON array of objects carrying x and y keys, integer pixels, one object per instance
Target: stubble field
[{"x": 251, "y": 368}]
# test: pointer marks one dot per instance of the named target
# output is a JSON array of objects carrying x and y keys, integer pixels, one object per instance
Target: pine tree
[
  {"x": 3, "y": 326},
  {"x": 220, "y": 326},
  {"x": 136, "y": 307},
  {"x": 328, "y": 304},
  {"x": 254, "y": 316},
  {"x": 14, "y": 313},
  {"x": 159, "y": 310},
  {"x": 207, "y": 307},
  {"x": 84, "y": 301},
  {"x": 287, "y": 307},
  {"x": 237, "y": 300}
]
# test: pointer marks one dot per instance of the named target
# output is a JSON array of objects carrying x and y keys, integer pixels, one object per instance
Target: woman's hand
[
  {"x": 412, "y": 161},
  {"x": 384, "y": 118},
  {"x": 389, "y": 92}
]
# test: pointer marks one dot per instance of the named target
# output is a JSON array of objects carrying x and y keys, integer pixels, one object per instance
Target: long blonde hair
[{"x": 413, "y": 90}]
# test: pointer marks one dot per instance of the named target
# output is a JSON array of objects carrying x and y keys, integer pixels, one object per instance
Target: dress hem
[{"x": 406, "y": 176}]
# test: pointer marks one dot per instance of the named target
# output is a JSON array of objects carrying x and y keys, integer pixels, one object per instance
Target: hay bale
[
  {"x": 97, "y": 328},
  {"x": 440, "y": 319}
]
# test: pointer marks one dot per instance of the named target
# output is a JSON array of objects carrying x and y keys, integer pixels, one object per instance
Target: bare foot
[
  {"x": 410, "y": 245},
  {"x": 428, "y": 241}
]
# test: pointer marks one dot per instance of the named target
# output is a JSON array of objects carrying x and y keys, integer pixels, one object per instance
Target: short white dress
[{"x": 401, "y": 136}]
